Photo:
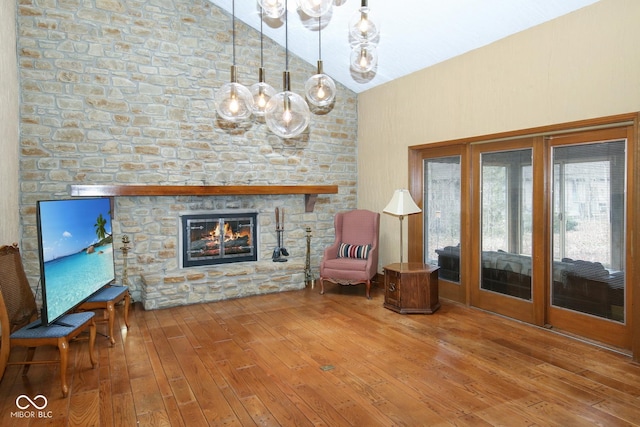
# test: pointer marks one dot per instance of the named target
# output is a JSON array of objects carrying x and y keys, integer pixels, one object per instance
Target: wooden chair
[
  {"x": 106, "y": 299},
  {"x": 20, "y": 326},
  {"x": 353, "y": 257}
]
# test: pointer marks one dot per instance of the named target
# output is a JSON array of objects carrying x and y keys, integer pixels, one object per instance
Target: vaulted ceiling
[{"x": 414, "y": 34}]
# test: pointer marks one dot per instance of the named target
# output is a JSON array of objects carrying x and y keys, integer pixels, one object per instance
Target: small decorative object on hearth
[
  {"x": 125, "y": 251},
  {"x": 308, "y": 275}
]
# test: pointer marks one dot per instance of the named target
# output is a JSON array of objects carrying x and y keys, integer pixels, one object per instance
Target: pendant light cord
[
  {"x": 320, "y": 37},
  {"x": 261, "y": 47},
  {"x": 233, "y": 30},
  {"x": 286, "y": 34}
]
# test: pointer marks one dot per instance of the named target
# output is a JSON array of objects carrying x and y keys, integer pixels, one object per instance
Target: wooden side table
[{"x": 411, "y": 288}]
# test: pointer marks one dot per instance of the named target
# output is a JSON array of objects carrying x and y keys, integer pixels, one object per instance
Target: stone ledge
[{"x": 215, "y": 283}]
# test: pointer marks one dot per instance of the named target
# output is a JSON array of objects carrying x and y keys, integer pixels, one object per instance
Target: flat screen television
[{"x": 76, "y": 252}]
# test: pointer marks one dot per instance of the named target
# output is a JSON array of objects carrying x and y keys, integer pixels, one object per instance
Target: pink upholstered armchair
[{"x": 353, "y": 257}]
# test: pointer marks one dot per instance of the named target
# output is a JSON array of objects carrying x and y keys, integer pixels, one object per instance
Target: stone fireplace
[
  {"x": 218, "y": 237},
  {"x": 155, "y": 262}
]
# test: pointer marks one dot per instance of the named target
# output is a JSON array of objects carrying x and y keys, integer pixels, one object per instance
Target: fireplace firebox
[{"x": 218, "y": 238}]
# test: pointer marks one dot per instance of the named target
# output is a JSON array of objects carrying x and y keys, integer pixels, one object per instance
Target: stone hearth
[{"x": 214, "y": 283}]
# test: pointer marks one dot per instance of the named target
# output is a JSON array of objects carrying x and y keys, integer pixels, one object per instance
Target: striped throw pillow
[{"x": 353, "y": 251}]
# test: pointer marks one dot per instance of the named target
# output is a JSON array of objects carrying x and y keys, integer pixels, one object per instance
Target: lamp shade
[{"x": 401, "y": 204}]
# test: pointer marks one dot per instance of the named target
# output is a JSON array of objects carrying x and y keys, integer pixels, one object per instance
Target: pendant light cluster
[{"x": 286, "y": 113}]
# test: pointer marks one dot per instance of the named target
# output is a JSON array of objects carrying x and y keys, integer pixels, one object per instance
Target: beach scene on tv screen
[{"x": 77, "y": 251}]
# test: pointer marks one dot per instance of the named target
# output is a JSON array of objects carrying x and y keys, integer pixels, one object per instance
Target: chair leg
[
  {"x": 5, "y": 349},
  {"x": 63, "y": 348},
  {"x": 321, "y": 286},
  {"x": 111, "y": 312},
  {"x": 30, "y": 352},
  {"x": 92, "y": 341},
  {"x": 127, "y": 303},
  {"x": 369, "y": 289}
]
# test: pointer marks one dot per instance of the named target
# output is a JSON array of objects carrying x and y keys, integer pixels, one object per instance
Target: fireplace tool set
[{"x": 279, "y": 251}]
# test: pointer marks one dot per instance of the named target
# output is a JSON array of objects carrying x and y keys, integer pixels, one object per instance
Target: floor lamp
[{"x": 401, "y": 204}]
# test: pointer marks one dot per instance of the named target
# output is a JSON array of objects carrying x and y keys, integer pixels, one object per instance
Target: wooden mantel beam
[{"x": 310, "y": 191}]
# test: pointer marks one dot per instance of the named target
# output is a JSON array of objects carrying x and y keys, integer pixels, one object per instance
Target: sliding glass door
[
  {"x": 588, "y": 287},
  {"x": 503, "y": 273},
  {"x": 588, "y": 229},
  {"x": 536, "y": 225}
]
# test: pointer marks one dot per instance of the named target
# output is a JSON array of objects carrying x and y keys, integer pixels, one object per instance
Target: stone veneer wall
[{"x": 121, "y": 92}]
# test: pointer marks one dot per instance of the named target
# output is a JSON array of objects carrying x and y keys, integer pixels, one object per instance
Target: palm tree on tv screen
[{"x": 100, "y": 224}]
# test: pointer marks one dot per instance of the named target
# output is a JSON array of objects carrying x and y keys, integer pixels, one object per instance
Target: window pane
[
  {"x": 588, "y": 228},
  {"x": 507, "y": 201},
  {"x": 442, "y": 215}
]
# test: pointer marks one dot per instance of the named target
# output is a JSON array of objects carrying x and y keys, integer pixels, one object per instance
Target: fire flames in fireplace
[
  {"x": 208, "y": 243},
  {"x": 218, "y": 238}
]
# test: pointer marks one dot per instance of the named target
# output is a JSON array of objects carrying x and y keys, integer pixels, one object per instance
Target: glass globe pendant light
[
  {"x": 234, "y": 101},
  {"x": 364, "y": 57},
  {"x": 361, "y": 28},
  {"x": 320, "y": 89},
  {"x": 315, "y": 8},
  {"x": 261, "y": 91},
  {"x": 288, "y": 114},
  {"x": 272, "y": 8}
]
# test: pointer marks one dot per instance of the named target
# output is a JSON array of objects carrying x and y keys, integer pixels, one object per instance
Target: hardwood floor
[{"x": 300, "y": 358}]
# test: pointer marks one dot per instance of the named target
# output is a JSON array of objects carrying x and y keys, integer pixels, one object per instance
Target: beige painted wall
[
  {"x": 579, "y": 66},
  {"x": 9, "y": 217}
]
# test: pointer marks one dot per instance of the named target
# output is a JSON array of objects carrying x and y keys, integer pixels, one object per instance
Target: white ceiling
[{"x": 414, "y": 34}]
